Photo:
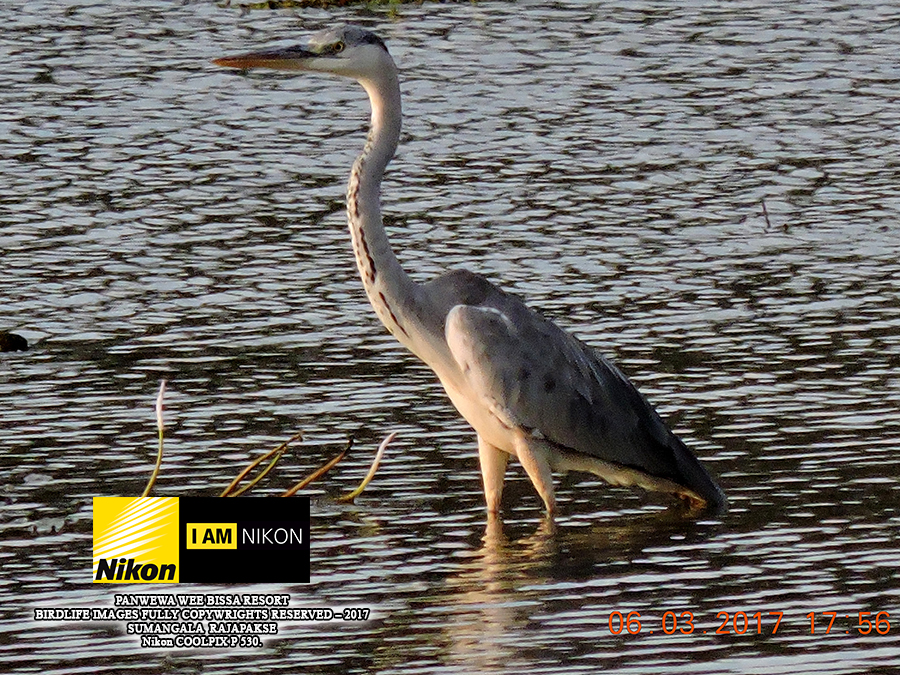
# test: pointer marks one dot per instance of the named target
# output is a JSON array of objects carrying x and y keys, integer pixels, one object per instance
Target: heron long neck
[{"x": 395, "y": 297}]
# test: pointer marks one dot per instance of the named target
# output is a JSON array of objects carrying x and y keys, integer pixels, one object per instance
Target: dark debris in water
[{"x": 10, "y": 342}]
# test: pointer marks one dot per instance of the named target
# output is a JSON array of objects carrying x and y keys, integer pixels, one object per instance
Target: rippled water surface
[{"x": 162, "y": 218}]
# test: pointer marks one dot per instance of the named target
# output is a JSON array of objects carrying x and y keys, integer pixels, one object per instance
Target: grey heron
[{"x": 529, "y": 389}]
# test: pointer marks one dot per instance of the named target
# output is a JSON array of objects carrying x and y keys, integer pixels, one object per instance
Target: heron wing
[{"x": 533, "y": 375}]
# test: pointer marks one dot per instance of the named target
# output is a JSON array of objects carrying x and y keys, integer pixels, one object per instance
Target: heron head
[{"x": 347, "y": 50}]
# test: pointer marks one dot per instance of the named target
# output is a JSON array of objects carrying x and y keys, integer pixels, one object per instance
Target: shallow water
[{"x": 162, "y": 218}]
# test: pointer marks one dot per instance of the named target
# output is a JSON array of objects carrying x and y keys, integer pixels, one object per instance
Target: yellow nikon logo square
[
  {"x": 135, "y": 539},
  {"x": 211, "y": 535}
]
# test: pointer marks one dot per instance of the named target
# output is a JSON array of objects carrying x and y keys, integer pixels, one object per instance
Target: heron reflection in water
[{"x": 529, "y": 389}]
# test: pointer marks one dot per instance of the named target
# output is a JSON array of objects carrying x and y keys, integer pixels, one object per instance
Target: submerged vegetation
[{"x": 272, "y": 458}]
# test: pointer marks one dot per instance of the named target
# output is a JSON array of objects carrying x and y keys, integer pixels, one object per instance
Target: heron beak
[{"x": 286, "y": 58}]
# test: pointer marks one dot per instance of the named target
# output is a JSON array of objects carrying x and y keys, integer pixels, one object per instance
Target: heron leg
[
  {"x": 535, "y": 458},
  {"x": 493, "y": 469}
]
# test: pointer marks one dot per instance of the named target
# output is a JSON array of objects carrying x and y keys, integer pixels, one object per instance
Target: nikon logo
[
  {"x": 139, "y": 540},
  {"x": 136, "y": 540},
  {"x": 120, "y": 569}
]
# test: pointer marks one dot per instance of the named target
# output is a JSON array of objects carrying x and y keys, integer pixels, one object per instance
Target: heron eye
[{"x": 338, "y": 47}]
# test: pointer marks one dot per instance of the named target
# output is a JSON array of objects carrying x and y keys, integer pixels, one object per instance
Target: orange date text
[{"x": 746, "y": 623}]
